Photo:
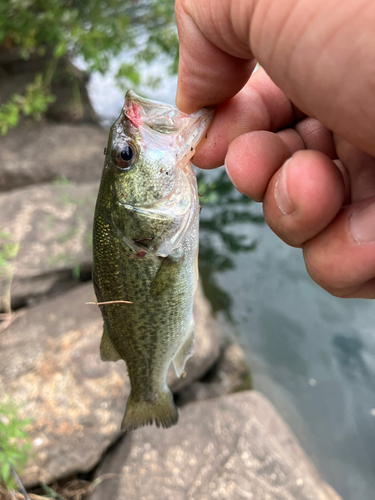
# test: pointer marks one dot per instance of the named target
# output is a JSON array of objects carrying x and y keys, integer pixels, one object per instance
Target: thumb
[
  {"x": 317, "y": 52},
  {"x": 212, "y": 68}
]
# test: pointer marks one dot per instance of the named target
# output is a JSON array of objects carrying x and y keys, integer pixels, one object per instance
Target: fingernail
[
  {"x": 362, "y": 224},
  {"x": 281, "y": 191}
]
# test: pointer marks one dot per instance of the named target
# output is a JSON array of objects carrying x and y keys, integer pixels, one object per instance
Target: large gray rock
[
  {"x": 50, "y": 366},
  {"x": 45, "y": 233},
  {"x": 51, "y": 151},
  {"x": 235, "y": 447}
]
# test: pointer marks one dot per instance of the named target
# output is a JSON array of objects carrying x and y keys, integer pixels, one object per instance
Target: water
[
  {"x": 314, "y": 357},
  {"x": 311, "y": 354}
]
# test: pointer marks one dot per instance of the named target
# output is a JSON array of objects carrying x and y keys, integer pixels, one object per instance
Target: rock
[
  {"x": 229, "y": 374},
  {"x": 235, "y": 447},
  {"x": 41, "y": 153},
  {"x": 50, "y": 366},
  {"x": 45, "y": 233}
]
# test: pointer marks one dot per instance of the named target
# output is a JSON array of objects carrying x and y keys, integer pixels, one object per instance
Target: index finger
[{"x": 210, "y": 71}]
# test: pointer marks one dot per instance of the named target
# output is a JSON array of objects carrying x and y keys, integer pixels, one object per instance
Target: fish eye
[
  {"x": 127, "y": 153},
  {"x": 124, "y": 155}
]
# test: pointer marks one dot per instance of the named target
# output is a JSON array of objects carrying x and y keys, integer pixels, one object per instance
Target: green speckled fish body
[{"x": 145, "y": 250}]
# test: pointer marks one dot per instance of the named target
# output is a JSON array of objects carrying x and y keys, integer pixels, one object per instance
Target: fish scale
[{"x": 145, "y": 245}]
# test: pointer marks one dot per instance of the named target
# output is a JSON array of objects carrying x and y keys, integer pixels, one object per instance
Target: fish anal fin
[
  {"x": 108, "y": 351},
  {"x": 185, "y": 352},
  {"x": 160, "y": 409}
]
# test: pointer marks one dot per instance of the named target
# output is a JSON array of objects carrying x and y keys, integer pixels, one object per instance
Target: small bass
[{"x": 145, "y": 245}]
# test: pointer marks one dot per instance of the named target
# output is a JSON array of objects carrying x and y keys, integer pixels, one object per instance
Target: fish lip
[
  {"x": 132, "y": 97},
  {"x": 158, "y": 116}
]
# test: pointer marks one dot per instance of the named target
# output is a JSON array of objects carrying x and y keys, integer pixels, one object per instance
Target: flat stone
[
  {"x": 50, "y": 366},
  {"x": 51, "y": 151},
  {"x": 235, "y": 447},
  {"x": 45, "y": 233}
]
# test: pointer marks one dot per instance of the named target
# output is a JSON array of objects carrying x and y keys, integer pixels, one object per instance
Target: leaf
[
  {"x": 129, "y": 72},
  {"x": 59, "y": 50},
  {"x": 5, "y": 472}
]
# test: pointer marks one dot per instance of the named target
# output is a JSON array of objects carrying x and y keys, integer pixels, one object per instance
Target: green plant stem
[{"x": 17, "y": 479}]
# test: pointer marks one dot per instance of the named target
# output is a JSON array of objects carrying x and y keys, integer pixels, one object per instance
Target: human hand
[{"x": 302, "y": 143}]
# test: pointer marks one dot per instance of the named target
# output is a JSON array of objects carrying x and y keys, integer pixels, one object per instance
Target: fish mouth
[{"x": 167, "y": 120}]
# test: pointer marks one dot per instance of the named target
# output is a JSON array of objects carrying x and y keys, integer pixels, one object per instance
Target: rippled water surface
[
  {"x": 311, "y": 354},
  {"x": 314, "y": 357}
]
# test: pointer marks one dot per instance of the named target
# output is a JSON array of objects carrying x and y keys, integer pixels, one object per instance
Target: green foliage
[
  {"x": 14, "y": 444},
  {"x": 52, "y": 493},
  {"x": 96, "y": 30},
  {"x": 128, "y": 72},
  {"x": 33, "y": 103},
  {"x": 8, "y": 251},
  {"x": 61, "y": 181},
  {"x": 9, "y": 114},
  {"x": 76, "y": 272}
]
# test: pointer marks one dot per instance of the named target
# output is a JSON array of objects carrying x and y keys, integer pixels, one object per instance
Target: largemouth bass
[{"x": 145, "y": 251}]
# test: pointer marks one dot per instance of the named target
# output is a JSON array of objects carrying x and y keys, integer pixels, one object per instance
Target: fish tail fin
[{"x": 161, "y": 410}]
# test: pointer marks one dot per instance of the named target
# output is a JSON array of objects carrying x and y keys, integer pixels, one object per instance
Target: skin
[{"x": 299, "y": 134}]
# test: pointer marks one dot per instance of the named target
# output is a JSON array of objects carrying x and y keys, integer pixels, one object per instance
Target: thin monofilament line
[{"x": 109, "y": 302}]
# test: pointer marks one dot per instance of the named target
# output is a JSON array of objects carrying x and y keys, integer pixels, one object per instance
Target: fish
[{"x": 145, "y": 251}]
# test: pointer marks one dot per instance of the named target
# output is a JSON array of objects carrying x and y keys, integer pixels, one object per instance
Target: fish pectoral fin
[
  {"x": 166, "y": 275},
  {"x": 108, "y": 351},
  {"x": 160, "y": 409},
  {"x": 185, "y": 352}
]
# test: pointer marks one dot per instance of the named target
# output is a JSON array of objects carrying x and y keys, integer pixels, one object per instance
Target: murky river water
[{"x": 311, "y": 354}]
